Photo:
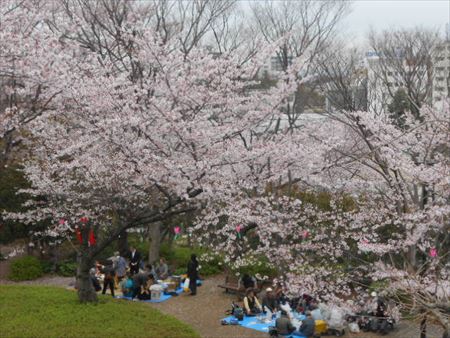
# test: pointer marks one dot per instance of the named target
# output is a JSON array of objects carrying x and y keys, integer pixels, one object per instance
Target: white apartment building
[
  {"x": 380, "y": 87},
  {"x": 441, "y": 74},
  {"x": 272, "y": 67}
]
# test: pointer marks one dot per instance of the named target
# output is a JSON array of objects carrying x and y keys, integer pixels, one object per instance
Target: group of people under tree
[
  {"x": 135, "y": 278},
  {"x": 274, "y": 300}
]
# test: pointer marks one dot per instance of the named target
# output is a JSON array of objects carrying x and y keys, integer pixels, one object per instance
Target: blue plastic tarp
[
  {"x": 255, "y": 324},
  {"x": 163, "y": 298}
]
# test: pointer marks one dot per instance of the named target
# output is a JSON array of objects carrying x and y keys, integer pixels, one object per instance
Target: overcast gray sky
[{"x": 382, "y": 14}]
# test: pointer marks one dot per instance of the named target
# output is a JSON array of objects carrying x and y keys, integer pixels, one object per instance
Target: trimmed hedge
[
  {"x": 67, "y": 269},
  {"x": 25, "y": 268}
]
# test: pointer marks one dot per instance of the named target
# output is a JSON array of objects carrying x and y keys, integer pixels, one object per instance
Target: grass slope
[{"x": 39, "y": 311}]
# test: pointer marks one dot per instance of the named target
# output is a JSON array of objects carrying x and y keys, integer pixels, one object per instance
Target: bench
[{"x": 232, "y": 285}]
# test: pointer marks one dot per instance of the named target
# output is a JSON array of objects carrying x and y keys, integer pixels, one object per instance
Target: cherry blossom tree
[
  {"x": 395, "y": 229},
  {"x": 138, "y": 130}
]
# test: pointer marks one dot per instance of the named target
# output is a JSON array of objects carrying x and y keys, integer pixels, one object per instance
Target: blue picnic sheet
[
  {"x": 254, "y": 324},
  {"x": 163, "y": 298}
]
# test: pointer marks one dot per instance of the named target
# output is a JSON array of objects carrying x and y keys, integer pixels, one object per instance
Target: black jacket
[
  {"x": 137, "y": 257},
  {"x": 192, "y": 270}
]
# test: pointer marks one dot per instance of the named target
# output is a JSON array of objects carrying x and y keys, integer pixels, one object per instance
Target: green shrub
[
  {"x": 261, "y": 267},
  {"x": 180, "y": 271},
  {"x": 25, "y": 268},
  {"x": 179, "y": 257},
  {"x": 47, "y": 267},
  {"x": 141, "y": 244},
  {"x": 209, "y": 270},
  {"x": 67, "y": 269}
]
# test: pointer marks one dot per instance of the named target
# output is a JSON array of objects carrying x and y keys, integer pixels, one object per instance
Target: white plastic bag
[
  {"x": 268, "y": 314},
  {"x": 337, "y": 318},
  {"x": 353, "y": 327},
  {"x": 186, "y": 284}
]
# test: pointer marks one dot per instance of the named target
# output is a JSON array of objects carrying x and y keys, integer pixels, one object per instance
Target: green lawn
[{"x": 39, "y": 311}]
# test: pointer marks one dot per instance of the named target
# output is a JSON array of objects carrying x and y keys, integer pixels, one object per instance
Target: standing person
[
  {"x": 135, "y": 260},
  {"x": 120, "y": 267},
  {"x": 248, "y": 281},
  {"x": 192, "y": 272},
  {"x": 109, "y": 279}
]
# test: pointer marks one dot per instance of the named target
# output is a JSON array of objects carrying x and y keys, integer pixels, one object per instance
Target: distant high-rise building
[{"x": 441, "y": 74}]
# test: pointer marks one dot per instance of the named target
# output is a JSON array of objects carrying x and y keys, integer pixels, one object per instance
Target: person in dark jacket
[
  {"x": 145, "y": 293},
  {"x": 139, "y": 280},
  {"x": 109, "y": 278},
  {"x": 135, "y": 260},
  {"x": 283, "y": 324},
  {"x": 248, "y": 282},
  {"x": 251, "y": 303},
  {"x": 192, "y": 272},
  {"x": 308, "y": 326}
]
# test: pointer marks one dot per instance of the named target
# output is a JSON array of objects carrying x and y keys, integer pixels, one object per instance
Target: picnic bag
[{"x": 238, "y": 312}]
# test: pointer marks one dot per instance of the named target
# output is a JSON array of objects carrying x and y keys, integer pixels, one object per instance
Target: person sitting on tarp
[
  {"x": 269, "y": 301},
  {"x": 308, "y": 325},
  {"x": 139, "y": 280},
  {"x": 145, "y": 293},
  {"x": 283, "y": 324},
  {"x": 279, "y": 294},
  {"x": 251, "y": 304},
  {"x": 127, "y": 285},
  {"x": 304, "y": 303},
  {"x": 163, "y": 269},
  {"x": 151, "y": 270}
]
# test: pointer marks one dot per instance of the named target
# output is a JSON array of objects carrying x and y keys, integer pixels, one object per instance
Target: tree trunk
[
  {"x": 155, "y": 242},
  {"x": 86, "y": 291},
  {"x": 412, "y": 257},
  {"x": 423, "y": 327},
  {"x": 54, "y": 257},
  {"x": 122, "y": 243}
]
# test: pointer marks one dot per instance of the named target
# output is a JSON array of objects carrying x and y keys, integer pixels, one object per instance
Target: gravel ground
[{"x": 205, "y": 310}]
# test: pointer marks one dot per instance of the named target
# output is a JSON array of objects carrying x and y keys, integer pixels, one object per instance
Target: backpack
[{"x": 238, "y": 313}]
